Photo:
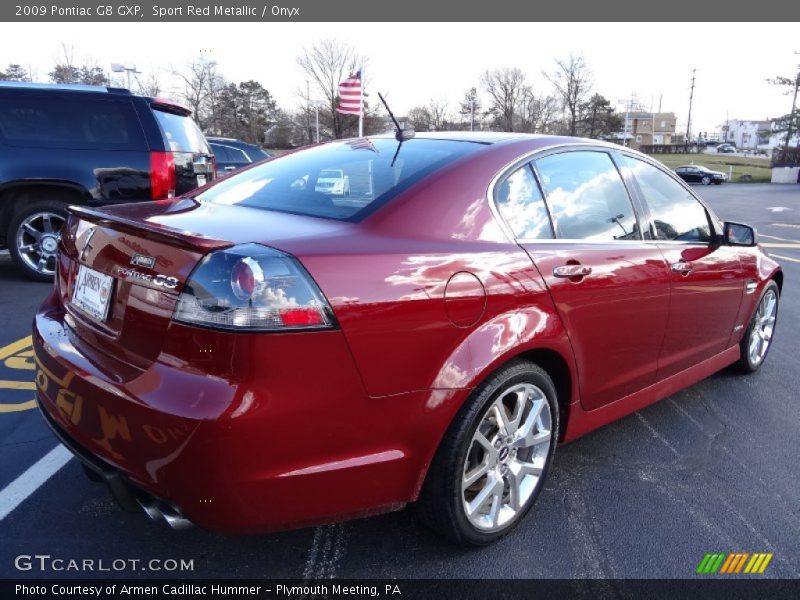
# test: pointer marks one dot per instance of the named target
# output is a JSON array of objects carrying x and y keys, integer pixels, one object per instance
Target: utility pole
[
  {"x": 689, "y": 120},
  {"x": 792, "y": 113}
]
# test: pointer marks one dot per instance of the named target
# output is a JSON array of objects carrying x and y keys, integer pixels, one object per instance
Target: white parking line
[
  {"x": 784, "y": 257},
  {"x": 23, "y": 486}
]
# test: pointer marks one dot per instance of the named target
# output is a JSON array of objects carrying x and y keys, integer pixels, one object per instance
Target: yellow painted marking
[
  {"x": 775, "y": 237},
  {"x": 785, "y": 257},
  {"x": 17, "y": 385},
  {"x": 9, "y": 408},
  {"x": 17, "y": 355},
  {"x": 15, "y": 347},
  {"x": 765, "y": 563}
]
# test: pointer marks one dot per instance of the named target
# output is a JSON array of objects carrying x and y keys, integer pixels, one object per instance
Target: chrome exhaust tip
[{"x": 156, "y": 509}]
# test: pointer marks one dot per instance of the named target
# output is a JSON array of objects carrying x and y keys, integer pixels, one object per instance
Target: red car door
[
  {"x": 610, "y": 286},
  {"x": 707, "y": 279}
]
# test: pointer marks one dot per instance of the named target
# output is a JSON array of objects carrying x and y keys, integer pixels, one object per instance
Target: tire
[
  {"x": 759, "y": 327},
  {"x": 529, "y": 391},
  {"x": 33, "y": 235},
  {"x": 717, "y": 183},
  {"x": 706, "y": 180}
]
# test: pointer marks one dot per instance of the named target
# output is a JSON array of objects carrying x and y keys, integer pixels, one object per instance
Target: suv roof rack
[{"x": 70, "y": 87}]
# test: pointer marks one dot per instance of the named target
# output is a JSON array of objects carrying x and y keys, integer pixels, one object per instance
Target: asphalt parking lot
[{"x": 714, "y": 468}]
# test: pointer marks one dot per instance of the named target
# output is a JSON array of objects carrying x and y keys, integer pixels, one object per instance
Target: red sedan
[{"x": 264, "y": 355}]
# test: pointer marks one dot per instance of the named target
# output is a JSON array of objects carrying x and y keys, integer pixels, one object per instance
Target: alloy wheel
[
  {"x": 37, "y": 241},
  {"x": 506, "y": 457},
  {"x": 763, "y": 327}
]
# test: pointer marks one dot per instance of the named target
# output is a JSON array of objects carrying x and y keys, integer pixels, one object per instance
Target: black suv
[
  {"x": 73, "y": 144},
  {"x": 232, "y": 154}
]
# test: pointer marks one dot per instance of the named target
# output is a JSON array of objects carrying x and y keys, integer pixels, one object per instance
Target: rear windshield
[
  {"x": 341, "y": 180},
  {"x": 70, "y": 121},
  {"x": 182, "y": 133}
]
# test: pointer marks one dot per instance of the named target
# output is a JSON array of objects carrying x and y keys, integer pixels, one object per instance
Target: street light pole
[{"x": 316, "y": 114}]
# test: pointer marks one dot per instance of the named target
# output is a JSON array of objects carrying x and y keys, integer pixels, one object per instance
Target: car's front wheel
[
  {"x": 492, "y": 462},
  {"x": 757, "y": 339},
  {"x": 33, "y": 236}
]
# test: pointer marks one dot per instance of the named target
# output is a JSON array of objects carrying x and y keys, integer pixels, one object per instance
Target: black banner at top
[{"x": 401, "y": 11}]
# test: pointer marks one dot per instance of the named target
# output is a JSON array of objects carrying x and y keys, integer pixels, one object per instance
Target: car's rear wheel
[
  {"x": 33, "y": 236},
  {"x": 706, "y": 180},
  {"x": 757, "y": 339},
  {"x": 493, "y": 460}
]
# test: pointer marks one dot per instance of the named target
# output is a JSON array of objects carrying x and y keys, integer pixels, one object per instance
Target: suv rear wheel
[{"x": 33, "y": 236}]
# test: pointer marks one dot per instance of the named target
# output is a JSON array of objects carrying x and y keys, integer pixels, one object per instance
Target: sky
[{"x": 412, "y": 63}]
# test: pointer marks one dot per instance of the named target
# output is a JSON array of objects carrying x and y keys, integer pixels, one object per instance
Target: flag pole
[{"x": 361, "y": 107}]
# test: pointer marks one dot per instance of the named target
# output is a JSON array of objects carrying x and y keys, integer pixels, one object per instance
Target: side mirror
[{"x": 738, "y": 234}]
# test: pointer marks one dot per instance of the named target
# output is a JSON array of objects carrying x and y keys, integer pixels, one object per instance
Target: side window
[
  {"x": 521, "y": 204},
  {"x": 677, "y": 214},
  {"x": 586, "y": 197},
  {"x": 238, "y": 156},
  {"x": 70, "y": 121},
  {"x": 220, "y": 152}
]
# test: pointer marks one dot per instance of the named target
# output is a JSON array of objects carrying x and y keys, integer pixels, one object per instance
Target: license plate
[
  {"x": 93, "y": 292},
  {"x": 201, "y": 180}
]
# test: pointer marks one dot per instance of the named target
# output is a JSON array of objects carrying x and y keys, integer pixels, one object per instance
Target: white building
[{"x": 747, "y": 135}]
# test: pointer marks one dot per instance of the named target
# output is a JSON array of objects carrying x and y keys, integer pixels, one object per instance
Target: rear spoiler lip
[{"x": 186, "y": 240}]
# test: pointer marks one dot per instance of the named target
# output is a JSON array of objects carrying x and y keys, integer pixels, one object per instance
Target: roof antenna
[{"x": 400, "y": 134}]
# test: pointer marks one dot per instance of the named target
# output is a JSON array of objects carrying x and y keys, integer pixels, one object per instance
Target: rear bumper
[
  {"x": 275, "y": 433},
  {"x": 129, "y": 497}
]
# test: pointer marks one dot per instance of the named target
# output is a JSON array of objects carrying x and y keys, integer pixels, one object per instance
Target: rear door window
[
  {"x": 586, "y": 197},
  {"x": 181, "y": 133},
  {"x": 70, "y": 121}
]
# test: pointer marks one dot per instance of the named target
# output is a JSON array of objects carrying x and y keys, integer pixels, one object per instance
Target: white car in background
[{"x": 333, "y": 182}]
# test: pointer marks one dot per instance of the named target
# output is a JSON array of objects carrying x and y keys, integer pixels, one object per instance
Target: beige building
[{"x": 640, "y": 131}]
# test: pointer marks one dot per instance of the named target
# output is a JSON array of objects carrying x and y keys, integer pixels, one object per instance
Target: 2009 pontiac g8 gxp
[{"x": 263, "y": 355}]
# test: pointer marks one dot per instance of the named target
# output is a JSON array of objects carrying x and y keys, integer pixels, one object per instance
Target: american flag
[{"x": 350, "y": 95}]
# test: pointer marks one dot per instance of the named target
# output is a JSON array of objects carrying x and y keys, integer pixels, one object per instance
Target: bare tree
[
  {"x": 438, "y": 113},
  {"x": 327, "y": 63},
  {"x": 573, "y": 82},
  {"x": 505, "y": 87},
  {"x": 536, "y": 112},
  {"x": 420, "y": 118},
  {"x": 789, "y": 124},
  {"x": 150, "y": 85},
  {"x": 201, "y": 84}
]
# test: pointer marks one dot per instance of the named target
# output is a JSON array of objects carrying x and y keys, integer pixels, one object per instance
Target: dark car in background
[
  {"x": 726, "y": 148},
  {"x": 90, "y": 146},
  {"x": 231, "y": 154},
  {"x": 700, "y": 174}
]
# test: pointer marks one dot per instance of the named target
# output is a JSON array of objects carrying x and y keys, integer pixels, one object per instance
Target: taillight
[
  {"x": 252, "y": 287},
  {"x": 162, "y": 175}
]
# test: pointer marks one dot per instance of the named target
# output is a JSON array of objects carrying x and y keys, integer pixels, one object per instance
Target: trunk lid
[{"x": 149, "y": 250}]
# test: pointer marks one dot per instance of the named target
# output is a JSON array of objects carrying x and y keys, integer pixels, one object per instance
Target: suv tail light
[
  {"x": 252, "y": 287},
  {"x": 162, "y": 175}
]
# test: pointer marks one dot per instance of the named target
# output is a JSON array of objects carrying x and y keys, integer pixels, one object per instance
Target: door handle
[
  {"x": 230, "y": 168},
  {"x": 572, "y": 271},
  {"x": 682, "y": 267}
]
